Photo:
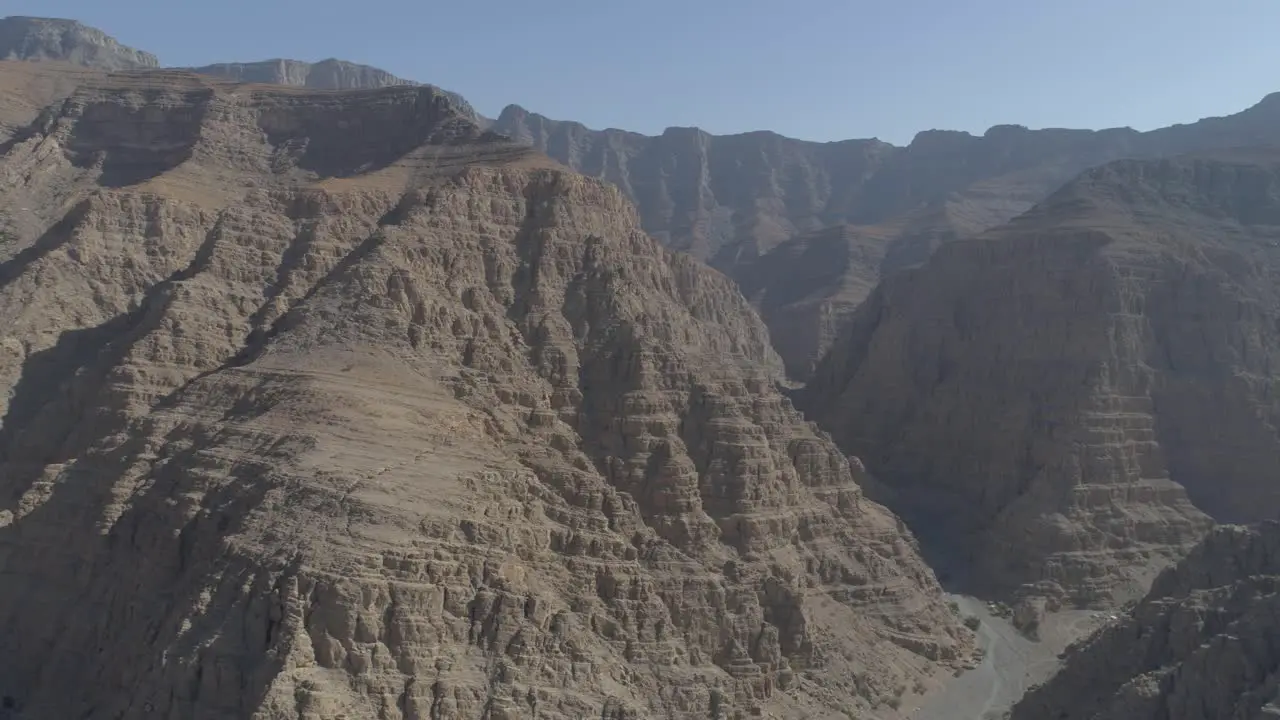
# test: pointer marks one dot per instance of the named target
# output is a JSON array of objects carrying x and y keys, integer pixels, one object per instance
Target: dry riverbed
[{"x": 1010, "y": 665}]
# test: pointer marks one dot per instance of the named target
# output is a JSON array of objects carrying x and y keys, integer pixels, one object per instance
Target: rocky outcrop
[
  {"x": 1202, "y": 644},
  {"x": 308, "y": 423},
  {"x": 1080, "y": 377},
  {"x": 328, "y": 74},
  {"x": 30, "y": 38},
  {"x": 737, "y": 201},
  {"x": 731, "y": 198},
  {"x": 808, "y": 287}
]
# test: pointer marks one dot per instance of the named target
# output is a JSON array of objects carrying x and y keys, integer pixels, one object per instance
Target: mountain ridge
[
  {"x": 408, "y": 422},
  {"x": 1095, "y": 379}
]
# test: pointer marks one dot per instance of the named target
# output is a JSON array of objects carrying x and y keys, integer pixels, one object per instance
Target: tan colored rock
[
  {"x": 331, "y": 405},
  {"x": 1079, "y": 377},
  {"x": 1201, "y": 644},
  {"x": 762, "y": 207}
]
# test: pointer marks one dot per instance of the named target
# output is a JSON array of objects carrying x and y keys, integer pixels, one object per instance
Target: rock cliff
[
  {"x": 739, "y": 201},
  {"x": 1201, "y": 645},
  {"x": 733, "y": 200},
  {"x": 30, "y": 38},
  {"x": 1089, "y": 380},
  {"x": 324, "y": 75},
  {"x": 328, "y": 74},
  {"x": 332, "y": 404}
]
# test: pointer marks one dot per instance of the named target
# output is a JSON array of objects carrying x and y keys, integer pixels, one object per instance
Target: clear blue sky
[{"x": 815, "y": 69}]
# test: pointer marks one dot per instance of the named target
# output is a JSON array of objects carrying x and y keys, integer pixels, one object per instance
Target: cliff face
[
  {"x": 1078, "y": 375},
  {"x": 324, "y": 75},
  {"x": 1202, "y": 644},
  {"x": 740, "y": 201},
  {"x": 412, "y": 426},
  {"x": 328, "y": 74},
  {"x": 29, "y": 38}
]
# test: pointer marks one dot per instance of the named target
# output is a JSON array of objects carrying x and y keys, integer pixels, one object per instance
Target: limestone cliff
[
  {"x": 303, "y": 422},
  {"x": 331, "y": 74},
  {"x": 808, "y": 287},
  {"x": 1202, "y": 645},
  {"x": 740, "y": 201},
  {"x": 1080, "y": 377},
  {"x": 30, "y": 38}
]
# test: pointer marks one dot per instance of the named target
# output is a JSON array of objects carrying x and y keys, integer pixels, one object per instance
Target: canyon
[{"x": 327, "y": 396}]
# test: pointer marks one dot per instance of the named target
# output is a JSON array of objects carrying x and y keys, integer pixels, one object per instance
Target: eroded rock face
[
  {"x": 1090, "y": 380},
  {"x": 324, "y": 75},
  {"x": 30, "y": 38},
  {"x": 1201, "y": 644},
  {"x": 752, "y": 202},
  {"x": 328, "y": 74},
  {"x": 300, "y": 427}
]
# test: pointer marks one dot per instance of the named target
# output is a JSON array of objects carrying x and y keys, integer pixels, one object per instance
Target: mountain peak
[{"x": 56, "y": 39}]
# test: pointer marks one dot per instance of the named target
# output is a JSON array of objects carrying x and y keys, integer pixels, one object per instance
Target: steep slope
[
  {"x": 734, "y": 199},
  {"x": 808, "y": 287},
  {"x": 30, "y": 38},
  {"x": 720, "y": 198},
  {"x": 26, "y": 88},
  {"x": 1202, "y": 645},
  {"x": 303, "y": 423},
  {"x": 1077, "y": 374},
  {"x": 730, "y": 198}
]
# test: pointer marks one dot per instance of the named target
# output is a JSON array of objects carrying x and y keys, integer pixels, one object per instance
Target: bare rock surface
[
  {"x": 331, "y": 74},
  {"x": 328, "y": 74},
  {"x": 752, "y": 202},
  {"x": 32, "y": 38},
  {"x": 1202, "y": 645},
  {"x": 331, "y": 404},
  {"x": 1092, "y": 382}
]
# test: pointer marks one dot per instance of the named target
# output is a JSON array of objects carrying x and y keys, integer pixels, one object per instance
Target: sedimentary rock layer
[
  {"x": 1201, "y": 645},
  {"x": 331, "y": 404},
  {"x": 1089, "y": 381}
]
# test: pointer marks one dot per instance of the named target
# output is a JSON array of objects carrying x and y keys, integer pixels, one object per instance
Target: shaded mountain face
[
  {"x": 737, "y": 200},
  {"x": 808, "y": 287},
  {"x": 1201, "y": 644},
  {"x": 29, "y": 38},
  {"x": 410, "y": 422},
  {"x": 1089, "y": 381}
]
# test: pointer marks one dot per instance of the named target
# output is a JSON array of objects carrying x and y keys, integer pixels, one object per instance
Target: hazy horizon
[{"x": 826, "y": 70}]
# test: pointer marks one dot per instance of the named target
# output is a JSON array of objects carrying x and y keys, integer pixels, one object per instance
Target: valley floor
[{"x": 1010, "y": 665}]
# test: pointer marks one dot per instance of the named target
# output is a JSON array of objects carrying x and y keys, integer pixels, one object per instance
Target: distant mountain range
[{"x": 739, "y": 201}]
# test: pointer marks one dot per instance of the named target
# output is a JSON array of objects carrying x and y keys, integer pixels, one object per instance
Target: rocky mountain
[
  {"x": 1201, "y": 645},
  {"x": 29, "y": 38},
  {"x": 50, "y": 39},
  {"x": 325, "y": 75},
  {"x": 411, "y": 422},
  {"x": 807, "y": 287},
  {"x": 738, "y": 200},
  {"x": 1091, "y": 380},
  {"x": 328, "y": 74}
]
